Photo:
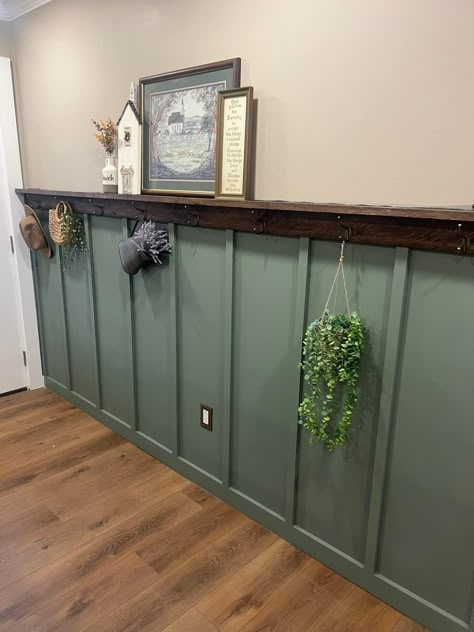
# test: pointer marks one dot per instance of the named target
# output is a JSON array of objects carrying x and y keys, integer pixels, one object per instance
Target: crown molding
[{"x": 12, "y": 9}]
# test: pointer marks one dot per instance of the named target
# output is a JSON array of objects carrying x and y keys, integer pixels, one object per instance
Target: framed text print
[
  {"x": 179, "y": 112},
  {"x": 234, "y": 140}
]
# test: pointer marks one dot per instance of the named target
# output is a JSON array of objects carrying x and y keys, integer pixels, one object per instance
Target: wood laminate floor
[{"x": 97, "y": 536}]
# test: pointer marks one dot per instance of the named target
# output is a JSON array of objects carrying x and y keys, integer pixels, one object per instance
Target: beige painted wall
[
  {"x": 5, "y": 44},
  {"x": 359, "y": 100}
]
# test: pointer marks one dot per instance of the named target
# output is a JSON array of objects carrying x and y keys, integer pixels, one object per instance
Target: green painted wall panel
[
  {"x": 79, "y": 328},
  {"x": 151, "y": 311},
  {"x": 200, "y": 260},
  {"x": 333, "y": 489},
  {"x": 221, "y": 324},
  {"x": 51, "y": 308},
  {"x": 262, "y": 403},
  {"x": 113, "y": 331},
  {"x": 428, "y": 533}
]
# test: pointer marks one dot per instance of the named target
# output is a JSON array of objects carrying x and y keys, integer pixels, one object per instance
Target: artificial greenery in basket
[
  {"x": 332, "y": 350},
  {"x": 75, "y": 243}
]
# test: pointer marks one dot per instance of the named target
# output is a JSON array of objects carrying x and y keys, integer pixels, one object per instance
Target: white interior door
[
  {"x": 12, "y": 366},
  {"x": 18, "y": 325}
]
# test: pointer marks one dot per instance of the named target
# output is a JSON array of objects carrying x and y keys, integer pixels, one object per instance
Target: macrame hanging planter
[{"x": 332, "y": 350}]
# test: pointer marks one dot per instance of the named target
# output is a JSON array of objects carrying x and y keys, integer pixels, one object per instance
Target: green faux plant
[
  {"x": 332, "y": 350},
  {"x": 75, "y": 243}
]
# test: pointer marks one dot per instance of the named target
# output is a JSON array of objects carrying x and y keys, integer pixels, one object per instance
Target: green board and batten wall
[{"x": 221, "y": 323}]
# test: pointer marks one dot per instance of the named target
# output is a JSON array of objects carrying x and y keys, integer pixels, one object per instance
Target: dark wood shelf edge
[
  {"x": 454, "y": 213},
  {"x": 438, "y": 229}
]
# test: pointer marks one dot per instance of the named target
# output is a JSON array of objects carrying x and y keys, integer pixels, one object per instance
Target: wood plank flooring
[{"x": 97, "y": 536}]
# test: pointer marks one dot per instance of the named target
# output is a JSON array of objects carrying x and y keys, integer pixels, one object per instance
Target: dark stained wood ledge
[{"x": 438, "y": 229}]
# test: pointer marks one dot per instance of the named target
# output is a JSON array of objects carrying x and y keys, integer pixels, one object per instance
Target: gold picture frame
[
  {"x": 179, "y": 121},
  {"x": 234, "y": 143}
]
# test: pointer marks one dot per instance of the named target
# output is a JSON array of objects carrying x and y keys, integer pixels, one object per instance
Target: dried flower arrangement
[
  {"x": 152, "y": 241},
  {"x": 106, "y": 134}
]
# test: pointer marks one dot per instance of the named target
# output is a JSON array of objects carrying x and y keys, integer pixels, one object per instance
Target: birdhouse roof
[{"x": 134, "y": 110}]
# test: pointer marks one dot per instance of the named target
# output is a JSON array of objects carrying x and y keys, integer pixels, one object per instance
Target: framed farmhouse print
[
  {"x": 179, "y": 112},
  {"x": 234, "y": 140}
]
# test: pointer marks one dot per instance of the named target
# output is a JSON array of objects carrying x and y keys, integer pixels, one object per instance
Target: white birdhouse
[{"x": 129, "y": 143}]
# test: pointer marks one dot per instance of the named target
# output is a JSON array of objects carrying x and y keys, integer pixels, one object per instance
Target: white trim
[
  {"x": 10, "y": 10},
  {"x": 22, "y": 254},
  {"x": 17, "y": 374}
]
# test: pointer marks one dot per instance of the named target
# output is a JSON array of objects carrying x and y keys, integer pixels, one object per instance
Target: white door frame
[{"x": 14, "y": 179}]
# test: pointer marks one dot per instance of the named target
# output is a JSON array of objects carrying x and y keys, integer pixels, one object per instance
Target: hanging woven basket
[{"x": 56, "y": 218}]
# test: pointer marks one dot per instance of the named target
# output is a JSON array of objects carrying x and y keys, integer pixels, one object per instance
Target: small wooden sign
[{"x": 234, "y": 143}]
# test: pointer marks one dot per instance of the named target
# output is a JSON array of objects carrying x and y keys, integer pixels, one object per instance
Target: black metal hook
[
  {"x": 465, "y": 242},
  {"x": 34, "y": 204},
  {"x": 260, "y": 229},
  {"x": 144, "y": 211},
  {"x": 346, "y": 231},
  {"x": 99, "y": 206},
  {"x": 195, "y": 219}
]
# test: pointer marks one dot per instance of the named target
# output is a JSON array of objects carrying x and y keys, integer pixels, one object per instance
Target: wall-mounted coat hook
[
  {"x": 35, "y": 204},
  {"x": 195, "y": 219},
  {"x": 465, "y": 244},
  {"x": 346, "y": 231},
  {"x": 260, "y": 229},
  {"x": 140, "y": 210},
  {"x": 100, "y": 207}
]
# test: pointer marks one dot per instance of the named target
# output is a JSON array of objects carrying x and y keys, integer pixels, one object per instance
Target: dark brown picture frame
[
  {"x": 165, "y": 177},
  {"x": 246, "y": 92}
]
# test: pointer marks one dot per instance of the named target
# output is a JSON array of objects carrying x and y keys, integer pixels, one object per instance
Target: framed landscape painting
[{"x": 179, "y": 113}]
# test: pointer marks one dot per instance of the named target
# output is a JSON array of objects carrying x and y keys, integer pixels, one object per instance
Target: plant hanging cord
[{"x": 335, "y": 284}]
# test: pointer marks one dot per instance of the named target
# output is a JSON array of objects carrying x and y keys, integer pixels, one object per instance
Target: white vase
[{"x": 110, "y": 175}]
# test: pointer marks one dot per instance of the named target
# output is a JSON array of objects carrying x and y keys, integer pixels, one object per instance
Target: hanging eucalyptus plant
[{"x": 332, "y": 350}]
